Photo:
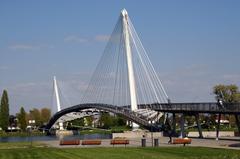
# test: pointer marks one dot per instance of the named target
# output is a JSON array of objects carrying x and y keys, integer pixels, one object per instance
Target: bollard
[
  {"x": 156, "y": 143},
  {"x": 143, "y": 142}
]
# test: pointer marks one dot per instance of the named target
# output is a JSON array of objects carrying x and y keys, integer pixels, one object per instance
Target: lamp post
[
  {"x": 151, "y": 122},
  {"x": 31, "y": 122}
]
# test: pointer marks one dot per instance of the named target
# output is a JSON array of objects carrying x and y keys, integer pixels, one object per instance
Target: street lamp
[
  {"x": 151, "y": 122},
  {"x": 31, "y": 122}
]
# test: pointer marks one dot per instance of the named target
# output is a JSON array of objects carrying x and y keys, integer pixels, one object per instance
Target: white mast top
[{"x": 124, "y": 12}]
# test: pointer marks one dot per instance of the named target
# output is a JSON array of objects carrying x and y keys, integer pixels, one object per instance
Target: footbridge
[
  {"x": 123, "y": 111},
  {"x": 127, "y": 83}
]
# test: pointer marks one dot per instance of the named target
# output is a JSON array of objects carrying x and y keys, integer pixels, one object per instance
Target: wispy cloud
[
  {"x": 75, "y": 39},
  {"x": 17, "y": 47},
  {"x": 102, "y": 38},
  {"x": 22, "y": 47},
  {"x": 79, "y": 39}
]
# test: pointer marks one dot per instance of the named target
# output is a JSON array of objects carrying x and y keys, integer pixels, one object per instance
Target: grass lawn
[
  {"x": 14, "y": 145},
  {"x": 20, "y": 134},
  {"x": 14, "y": 151}
]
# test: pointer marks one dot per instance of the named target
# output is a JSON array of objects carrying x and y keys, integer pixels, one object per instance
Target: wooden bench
[
  {"x": 183, "y": 141},
  {"x": 91, "y": 142},
  {"x": 69, "y": 142},
  {"x": 119, "y": 142}
]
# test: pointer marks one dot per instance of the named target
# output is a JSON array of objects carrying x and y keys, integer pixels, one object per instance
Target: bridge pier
[
  {"x": 218, "y": 126},
  {"x": 182, "y": 122},
  {"x": 198, "y": 125},
  {"x": 237, "y": 122},
  {"x": 174, "y": 123}
]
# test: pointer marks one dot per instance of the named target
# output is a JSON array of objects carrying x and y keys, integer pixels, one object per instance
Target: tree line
[
  {"x": 40, "y": 117},
  {"x": 22, "y": 118}
]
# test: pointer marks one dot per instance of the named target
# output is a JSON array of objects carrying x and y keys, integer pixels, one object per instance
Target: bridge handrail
[{"x": 202, "y": 107}]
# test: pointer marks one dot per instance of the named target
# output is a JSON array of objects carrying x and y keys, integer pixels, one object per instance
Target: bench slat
[
  {"x": 91, "y": 142},
  {"x": 119, "y": 142},
  {"x": 69, "y": 142},
  {"x": 182, "y": 141}
]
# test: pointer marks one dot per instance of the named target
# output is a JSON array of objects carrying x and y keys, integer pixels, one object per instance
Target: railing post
[
  {"x": 174, "y": 123},
  {"x": 237, "y": 122},
  {"x": 182, "y": 125},
  {"x": 198, "y": 125},
  {"x": 218, "y": 126}
]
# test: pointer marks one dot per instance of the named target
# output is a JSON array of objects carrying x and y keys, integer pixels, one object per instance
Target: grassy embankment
[{"x": 15, "y": 150}]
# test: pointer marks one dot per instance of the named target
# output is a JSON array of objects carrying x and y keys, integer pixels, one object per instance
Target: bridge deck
[{"x": 227, "y": 108}]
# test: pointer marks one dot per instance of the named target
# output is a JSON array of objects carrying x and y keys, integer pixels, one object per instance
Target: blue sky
[{"x": 192, "y": 44}]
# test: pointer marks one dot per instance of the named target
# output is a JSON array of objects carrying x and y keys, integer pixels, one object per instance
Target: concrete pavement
[{"x": 163, "y": 141}]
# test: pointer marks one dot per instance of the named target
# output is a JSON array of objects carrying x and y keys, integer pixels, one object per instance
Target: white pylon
[
  {"x": 131, "y": 79},
  {"x": 55, "y": 87}
]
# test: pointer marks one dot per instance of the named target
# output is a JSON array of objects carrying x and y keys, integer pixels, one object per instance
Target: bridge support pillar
[
  {"x": 182, "y": 122},
  {"x": 237, "y": 122},
  {"x": 198, "y": 125},
  {"x": 131, "y": 78},
  {"x": 174, "y": 123},
  {"x": 218, "y": 126}
]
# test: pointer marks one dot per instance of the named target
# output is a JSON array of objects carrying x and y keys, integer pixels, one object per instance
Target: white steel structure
[
  {"x": 131, "y": 79},
  {"x": 56, "y": 93}
]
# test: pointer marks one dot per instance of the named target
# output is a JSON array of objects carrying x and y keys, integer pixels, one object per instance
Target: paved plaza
[{"x": 163, "y": 142}]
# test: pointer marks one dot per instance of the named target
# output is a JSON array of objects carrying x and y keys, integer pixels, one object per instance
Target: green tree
[
  {"x": 229, "y": 93},
  {"x": 35, "y": 114},
  {"x": 45, "y": 115},
  {"x": 22, "y": 119},
  {"x": 190, "y": 120},
  {"x": 121, "y": 121},
  {"x": 89, "y": 120},
  {"x": 78, "y": 122},
  {"x": 105, "y": 121},
  {"x": 4, "y": 111},
  {"x": 209, "y": 121}
]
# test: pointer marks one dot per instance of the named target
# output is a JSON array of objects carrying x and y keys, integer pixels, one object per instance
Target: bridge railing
[
  {"x": 188, "y": 107},
  {"x": 232, "y": 107},
  {"x": 195, "y": 107}
]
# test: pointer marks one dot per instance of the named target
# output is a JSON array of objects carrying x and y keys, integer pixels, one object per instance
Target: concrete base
[
  {"x": 63, "y": 132},
  {"x": 212, "y": 134},
  {"x": 136, "y": 134}
]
